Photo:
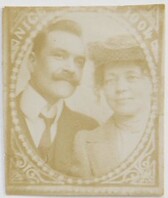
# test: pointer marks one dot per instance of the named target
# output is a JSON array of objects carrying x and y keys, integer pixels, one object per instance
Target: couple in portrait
[{"x": 70, "y": 142}]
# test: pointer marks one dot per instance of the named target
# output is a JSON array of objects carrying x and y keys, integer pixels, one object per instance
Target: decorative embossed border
[{"x": 138, "y": 169}]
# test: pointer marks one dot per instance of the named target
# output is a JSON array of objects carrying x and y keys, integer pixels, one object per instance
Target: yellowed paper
[{"x": 83, "y": 100}]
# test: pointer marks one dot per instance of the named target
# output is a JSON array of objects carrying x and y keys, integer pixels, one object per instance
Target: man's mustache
[{"x": 71, "y": 78}]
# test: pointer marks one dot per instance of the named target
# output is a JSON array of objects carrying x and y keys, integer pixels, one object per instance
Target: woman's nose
[{"x": 121, "y": 85}]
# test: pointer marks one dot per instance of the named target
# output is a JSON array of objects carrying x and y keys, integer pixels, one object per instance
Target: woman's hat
[{"x": 119, "y": 48}]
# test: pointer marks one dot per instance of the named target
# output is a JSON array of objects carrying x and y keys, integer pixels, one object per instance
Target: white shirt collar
[{"x": 32, "y": 104}]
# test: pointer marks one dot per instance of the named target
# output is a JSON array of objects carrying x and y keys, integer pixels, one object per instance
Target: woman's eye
[
  {"x": 132, "y": 77},
  {"x": 110, "y": 81},
  {"x": 80, "y": 61}
]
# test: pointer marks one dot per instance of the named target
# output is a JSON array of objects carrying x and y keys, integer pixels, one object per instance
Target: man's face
[
  {"x": 58, "y": 66},
  {"x": 127, "y": 89}
]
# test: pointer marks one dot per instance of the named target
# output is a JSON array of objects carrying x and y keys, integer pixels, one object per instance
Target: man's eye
[{"x": 59, "y": 55}]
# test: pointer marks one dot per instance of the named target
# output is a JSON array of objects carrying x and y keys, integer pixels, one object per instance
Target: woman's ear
[{"x": 32, "y": 62}]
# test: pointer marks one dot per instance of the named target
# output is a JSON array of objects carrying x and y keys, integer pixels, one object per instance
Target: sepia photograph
[{"x": 83, "y": 100}]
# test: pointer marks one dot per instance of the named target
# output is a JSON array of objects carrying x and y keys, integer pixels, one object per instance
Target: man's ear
[{"x": 32, "y": 62}]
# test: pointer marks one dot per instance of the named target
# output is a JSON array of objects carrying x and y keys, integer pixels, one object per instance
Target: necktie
[{"x": 45, "y": 140}]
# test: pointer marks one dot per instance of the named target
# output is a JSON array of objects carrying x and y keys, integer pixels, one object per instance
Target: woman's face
[{"x": 127, "y": 89}]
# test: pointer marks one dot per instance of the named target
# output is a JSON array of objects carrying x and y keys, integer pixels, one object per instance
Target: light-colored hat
[{"x": 116, "y": 49}]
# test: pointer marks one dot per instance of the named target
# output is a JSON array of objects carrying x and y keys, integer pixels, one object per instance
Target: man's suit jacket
[{"x": 61, "y": 150}]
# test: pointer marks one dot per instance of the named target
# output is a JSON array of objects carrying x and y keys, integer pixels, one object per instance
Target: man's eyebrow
[
  {"x": 54, "y": 50},
  {"x": 110, "y": 75}
]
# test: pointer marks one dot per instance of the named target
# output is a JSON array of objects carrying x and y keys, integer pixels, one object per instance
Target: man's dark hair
[{"x": 61, "y": 25}]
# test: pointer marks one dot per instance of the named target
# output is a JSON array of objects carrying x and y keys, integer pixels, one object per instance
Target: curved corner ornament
[{"x": 141, "y": 173}]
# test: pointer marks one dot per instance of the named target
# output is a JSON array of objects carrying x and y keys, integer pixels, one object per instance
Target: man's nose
[
  {"x": 70, "y": 65},
  {"x": 121, "y": 85}
]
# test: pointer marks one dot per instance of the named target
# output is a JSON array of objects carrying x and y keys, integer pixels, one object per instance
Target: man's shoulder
[{"x": 99, "y": 134}]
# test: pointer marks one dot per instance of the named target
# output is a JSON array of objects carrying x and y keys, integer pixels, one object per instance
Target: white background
[{"x": 80, "y": 3}]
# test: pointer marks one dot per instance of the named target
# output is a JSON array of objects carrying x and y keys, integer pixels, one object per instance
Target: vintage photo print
[{"x": 83, "y": 100}]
